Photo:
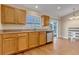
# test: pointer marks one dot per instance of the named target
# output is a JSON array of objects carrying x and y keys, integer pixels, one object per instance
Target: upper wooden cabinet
[
  {"x": 10, "y": 15},
  {"x": 0, "y": 12},
  {"x": 7, "y": 15},
  {"x": 45, "y": 20},
  {"x": 20, "y": 16}
]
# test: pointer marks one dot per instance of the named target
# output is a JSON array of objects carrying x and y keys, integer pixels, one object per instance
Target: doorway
[{"x": 54, "y": 27}]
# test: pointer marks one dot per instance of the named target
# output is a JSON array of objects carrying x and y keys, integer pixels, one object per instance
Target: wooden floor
[{"x": 60, "y": 47}]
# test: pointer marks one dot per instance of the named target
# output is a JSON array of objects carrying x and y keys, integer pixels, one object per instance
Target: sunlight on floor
[{"x": 58, "y": 47}]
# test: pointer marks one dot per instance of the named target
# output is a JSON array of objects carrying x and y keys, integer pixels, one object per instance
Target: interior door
[{"x": 54, "y": 25}]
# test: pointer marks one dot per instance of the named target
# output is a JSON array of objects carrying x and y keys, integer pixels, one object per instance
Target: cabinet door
[
  {"x": 45, "y": 20},
  {"x": 20, "y": 16},
  {"x": 42, "y": 38},
  {"x": 33, "y": 39},
  {"x": 0, "y": 13},
  {"x": 23, "y": 42},
  {"x": 8, "y": 13},
  {"x": 0, "y": 45},
  {"x": 9, "y": 45}
]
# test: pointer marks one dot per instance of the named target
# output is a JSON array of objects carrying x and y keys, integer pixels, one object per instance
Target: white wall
[
  {"x": 26, "y": 26},
  {"x": 67, "y": 23},
  {"x": 59, "y": 27}
]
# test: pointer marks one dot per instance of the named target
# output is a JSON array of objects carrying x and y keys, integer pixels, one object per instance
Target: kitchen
[
  {"x": 39, "y": 29},
  {"x": 22, "y": 29}
]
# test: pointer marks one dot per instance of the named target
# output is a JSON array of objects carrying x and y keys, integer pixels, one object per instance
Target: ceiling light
[
  {"x": 77, "y": 17},
  {"x": 36, "y": 6},
  {"x": 74, "y": 17},
  {"x": 58, "y": 8}
]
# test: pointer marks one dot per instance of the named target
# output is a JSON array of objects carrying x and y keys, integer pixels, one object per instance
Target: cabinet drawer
[
  {"x": 33, "y": 34},
  {"x": 9, "y": 35},
  {"x": 22, "y": 34}
]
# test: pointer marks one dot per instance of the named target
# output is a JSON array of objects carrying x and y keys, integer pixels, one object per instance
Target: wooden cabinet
[
  {"x": 42, "y": 38},
  {"x": 33, "y": 39},
  {"x": 11, "y": 15},
  {"x": 0, "y": 45},
  {"x": 45, "y": 20},
  {"x": 14, "y": 42},
  {"x": 9, "y": 44},
  {"x": 8, "y": 15},
  {"x": 20, "y": 16},
  {"x": 0, "y": 13},
  {"x": 22, "y": 41}
]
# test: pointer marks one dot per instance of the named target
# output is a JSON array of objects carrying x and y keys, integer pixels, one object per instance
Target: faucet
[{"x": 35, "y": 28}]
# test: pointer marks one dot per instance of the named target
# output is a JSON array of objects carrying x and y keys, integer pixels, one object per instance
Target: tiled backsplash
[{"x": 13, "y": 26}]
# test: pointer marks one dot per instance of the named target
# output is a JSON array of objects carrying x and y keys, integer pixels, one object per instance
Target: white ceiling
[{"x": 51, "y": 9}]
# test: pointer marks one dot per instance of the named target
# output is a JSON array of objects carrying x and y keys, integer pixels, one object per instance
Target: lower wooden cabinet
[
  {"x": 23, "y": 42},
  {"x": 42, "y": 38},
  {"x": 9, "y": 45},
  {"x": 0, "y": 45},
  {"x": 12, "y": 43},
  {"x": 33, "y": 39}
]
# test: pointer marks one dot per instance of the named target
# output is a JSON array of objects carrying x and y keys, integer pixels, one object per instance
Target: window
[{"x": 34, "y": 21}]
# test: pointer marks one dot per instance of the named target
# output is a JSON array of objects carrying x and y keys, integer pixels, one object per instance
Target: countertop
[{"x": 22, "y": 30}]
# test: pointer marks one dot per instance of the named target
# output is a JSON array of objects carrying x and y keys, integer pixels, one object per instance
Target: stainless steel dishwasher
[{"x": 49, "y": 36}]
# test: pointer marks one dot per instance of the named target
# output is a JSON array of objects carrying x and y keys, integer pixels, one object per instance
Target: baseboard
[
  {"x": 63, "y": 38},
  {"x": 49, "y": 42}
]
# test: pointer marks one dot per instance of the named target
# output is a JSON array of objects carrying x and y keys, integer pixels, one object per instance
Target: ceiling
[{"x": 51, "y": 9}]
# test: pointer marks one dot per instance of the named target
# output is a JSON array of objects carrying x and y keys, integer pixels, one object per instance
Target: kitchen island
[{"x": 19, "y": 40}]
